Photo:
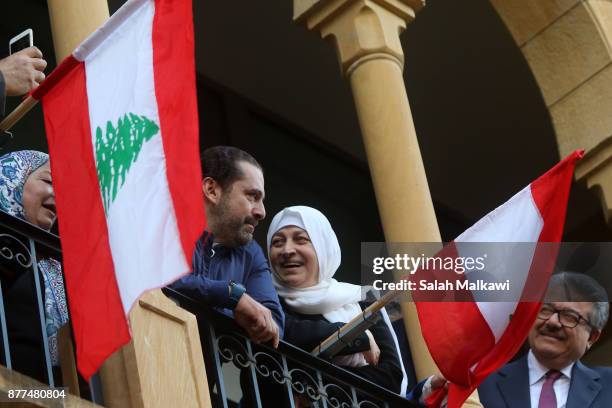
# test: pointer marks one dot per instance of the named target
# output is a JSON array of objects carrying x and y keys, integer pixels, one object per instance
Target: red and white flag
[
  {"x": 122, "y": 126},
  {"x": 470, "y": 339}
]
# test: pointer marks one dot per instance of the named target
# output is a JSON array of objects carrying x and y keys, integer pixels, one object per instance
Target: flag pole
[
  {"x": 357, "y": 325},
  {"x": 18, "y": 113}
]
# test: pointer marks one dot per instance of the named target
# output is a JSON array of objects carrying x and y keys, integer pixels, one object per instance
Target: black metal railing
[
  {"x": 24, "y": 344},
  {"x": 22, "y": 245},
  {"x": 287, "y": 376}
]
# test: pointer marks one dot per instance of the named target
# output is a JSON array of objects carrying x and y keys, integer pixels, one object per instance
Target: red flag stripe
[
  {"x": 174, "y": 74},
  {"x": 59, "y": 73},
  {"x": 454, "y": 358},
  {"x": 550, "y": 192}
]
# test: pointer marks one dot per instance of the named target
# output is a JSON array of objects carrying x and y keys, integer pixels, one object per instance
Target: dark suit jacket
[{"x": 509, "y": 387}]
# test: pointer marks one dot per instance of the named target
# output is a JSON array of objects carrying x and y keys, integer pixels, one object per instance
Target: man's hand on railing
[{"x": 256, "y": 320}]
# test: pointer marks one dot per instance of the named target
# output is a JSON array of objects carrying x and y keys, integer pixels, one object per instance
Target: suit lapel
[
  {"x": 584, "y": 386},
  {"x": 513, "y": 384}
]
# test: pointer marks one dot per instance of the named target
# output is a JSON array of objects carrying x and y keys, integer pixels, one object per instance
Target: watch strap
[{"x": 236, "y": 290}]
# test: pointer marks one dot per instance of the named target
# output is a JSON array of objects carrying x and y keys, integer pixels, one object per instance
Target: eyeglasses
[{"x": 567, "y": 318}]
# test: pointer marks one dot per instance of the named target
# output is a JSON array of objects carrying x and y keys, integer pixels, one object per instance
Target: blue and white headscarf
[{"x": 15, "y": 168}]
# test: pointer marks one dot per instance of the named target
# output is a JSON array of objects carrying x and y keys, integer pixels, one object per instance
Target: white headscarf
[{"x": 336, "y": 301}]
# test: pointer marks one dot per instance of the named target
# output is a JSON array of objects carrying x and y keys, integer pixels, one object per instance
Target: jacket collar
[
  {"x": 584, "y": 387},
  {"x": 513, "y": 383},
  {"x": 211, "y": 249}
]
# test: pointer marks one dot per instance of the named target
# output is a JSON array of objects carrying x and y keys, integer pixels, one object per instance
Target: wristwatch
[{"x": 236, "y": 290}]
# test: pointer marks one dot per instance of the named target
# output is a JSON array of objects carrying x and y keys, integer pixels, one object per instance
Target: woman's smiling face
[
  {"x": 294, "y": 258},
  {"x": 39, "y": 198}
]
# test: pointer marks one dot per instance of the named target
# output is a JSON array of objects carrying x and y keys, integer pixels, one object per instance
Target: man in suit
[{"x": 551, "y": 374}]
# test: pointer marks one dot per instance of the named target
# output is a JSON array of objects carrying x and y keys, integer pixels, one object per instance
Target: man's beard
[{"x": 232, "y": 229}]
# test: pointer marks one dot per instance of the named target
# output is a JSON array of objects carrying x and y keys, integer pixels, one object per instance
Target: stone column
[
  {"x": 366, "y": 35},
  {"x": 72, "y": 21}
]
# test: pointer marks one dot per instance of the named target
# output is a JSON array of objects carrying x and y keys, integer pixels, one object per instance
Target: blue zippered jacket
[{"x": 214, "y": 267}]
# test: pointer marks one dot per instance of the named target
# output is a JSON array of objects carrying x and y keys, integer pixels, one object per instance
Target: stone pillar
[
  {"x": 72, "y": 21},
  {"x": 568, "y": 46},
  {"x": 366, "y": 35}
]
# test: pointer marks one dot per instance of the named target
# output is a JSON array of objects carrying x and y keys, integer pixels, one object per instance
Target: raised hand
[{"x": 23, "y": 71}]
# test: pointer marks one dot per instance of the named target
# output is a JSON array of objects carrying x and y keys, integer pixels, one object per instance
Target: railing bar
[
  {"x": 95, "y": 387},
  {"x": 334, "y": 373},
  {"x": 41, "y": 313},
  {"x": 354, "y": 396},
  {"x": 253, "y": 374},
  {"x": 218, "y": 371},
  {"x": 40, "y": 236},
  {"x": 287, "y": 381},
  {"x": 5, "y": 343},
  {"x": 321, "y": 387}
]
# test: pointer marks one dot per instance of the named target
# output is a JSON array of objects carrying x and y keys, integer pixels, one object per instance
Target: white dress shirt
[{"x": 536, "y": 380}]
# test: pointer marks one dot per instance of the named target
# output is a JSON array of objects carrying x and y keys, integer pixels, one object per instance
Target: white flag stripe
[
  {"x": 501, "y": 226},
  {"x": 105, "y": 32},
  {"x": 122, "y": 72},
  {"x": 142, "y": 227}
]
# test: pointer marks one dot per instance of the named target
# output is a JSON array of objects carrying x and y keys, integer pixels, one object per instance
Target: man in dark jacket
[
  {"x": 551, "y": 374},
  {"x": 230, "y": 271}
]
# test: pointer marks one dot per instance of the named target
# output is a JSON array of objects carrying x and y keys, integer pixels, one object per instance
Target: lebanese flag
[
  {"x": 122, "y": 127},
  {"x": 472, "y": 338}
]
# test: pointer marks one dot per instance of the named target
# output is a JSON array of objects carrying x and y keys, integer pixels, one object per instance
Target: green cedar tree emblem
[{"x": 117, "y": 149}]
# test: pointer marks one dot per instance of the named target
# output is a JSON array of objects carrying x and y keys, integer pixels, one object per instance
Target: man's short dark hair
[
  {"x": 220, "y": 164},
  {"x": 578, "y": 287}
]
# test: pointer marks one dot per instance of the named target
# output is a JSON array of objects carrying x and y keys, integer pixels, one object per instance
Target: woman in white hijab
[{"x": 304, "y": 255}]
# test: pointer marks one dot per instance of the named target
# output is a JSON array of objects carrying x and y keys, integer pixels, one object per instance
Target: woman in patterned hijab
[{"x": 26, "y": 192}]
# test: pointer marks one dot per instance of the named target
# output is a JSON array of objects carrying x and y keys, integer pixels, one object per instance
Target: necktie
[{"x": 548, "y": 399}]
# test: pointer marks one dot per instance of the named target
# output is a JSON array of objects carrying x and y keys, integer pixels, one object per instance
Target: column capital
[{"x": 362, "y": 29}]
